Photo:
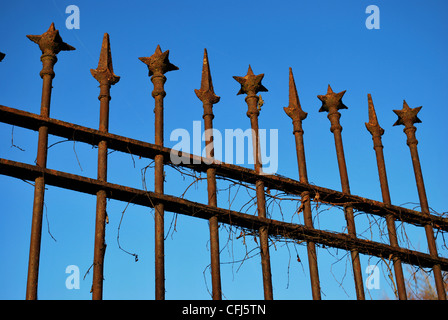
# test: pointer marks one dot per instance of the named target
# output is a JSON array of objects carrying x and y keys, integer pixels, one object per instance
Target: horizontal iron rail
[
  {"x": 275, "y": 228},
  {"x": 275, "y": 182}
]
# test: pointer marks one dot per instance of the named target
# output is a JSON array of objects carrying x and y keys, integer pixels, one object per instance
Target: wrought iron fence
[{"x": 264, "y": 228}]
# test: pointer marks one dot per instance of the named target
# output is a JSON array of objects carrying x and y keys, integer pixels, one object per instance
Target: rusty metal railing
[
  {"x": 50, "y": 43},
  {"x": 158, "y": 64}
]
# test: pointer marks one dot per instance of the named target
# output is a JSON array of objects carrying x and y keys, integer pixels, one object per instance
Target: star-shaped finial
[
  {"x": 158, "y": 63},
  {"x": 50, "y": 42},
  {"x": 294, "y": 110},
  {"x": 206, "y": 92},
  {"x": 331, "y": 100},
  {"x": 407, "y": 116},
  {"x": 250, "y": 83},
  {"x": 105, "y": 70},
  {"x": 373, "y": 126}
]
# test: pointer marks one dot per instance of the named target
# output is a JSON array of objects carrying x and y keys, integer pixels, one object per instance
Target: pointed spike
[
  {"x": 294, "y": 110},
  {"x": 293, "y": 95},
  {"x": 417, "y": 120},
  {"x": 241, "y": 91},
  {"x": 205, "y": 59},
  {"x": 104, "y": 73},
  {"x": 67, "y": 47},
  {"x": 206, "y": 80},
  {"x": 321, "y": 97},
  {"x": 145, "y": 60},
  {"x": 341, "y": 94},
  {"x": 50, "y": 42},
  {"x": 372, "y": 113},
  {"x": 332, "y": 101},
  {"x": 419, "y": 108},
  {"x": 405, "y": 105},
  {"x": 158, "y": 62},
  {"x": 2, "y": 55},
  {"x": 105, "y": 61},
  {"x": 250, "y": 83},
  {"x": 249, "y": 71},
  {"x": 407, "y": 116},
  {"x": 34, "y": 38},
  {"x": 262, "y": 88},
  {"x": 399, "y": 120},
  {"x": 373, "y": 126},
  {"x": 206, "y": 92}
]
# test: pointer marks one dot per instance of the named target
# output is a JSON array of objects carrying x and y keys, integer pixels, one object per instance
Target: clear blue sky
[{"x": 325, "y": 42}]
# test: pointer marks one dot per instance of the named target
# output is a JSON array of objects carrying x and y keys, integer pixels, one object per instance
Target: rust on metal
[
  {"x": 297, "y": 115},
  {"x": 158, "y": 64},
  {"x": 208, "y": 97},
  {"x": 148, "y": 150},
  {"x": 50, "y": 43},
  {"x": 182, "y": 206},
  {"x": 331, "y": 103},
  {"x": 407, "y": 117},
  {"x": 251, "y": 85},
  {"x": 206, "y": 93},
  {"x": 376, "y": 131},
  {"x": 373, "y": 126},
  {"x": 104, "y": 74}
]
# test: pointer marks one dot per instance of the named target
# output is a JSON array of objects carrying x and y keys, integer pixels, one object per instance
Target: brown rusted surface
[
  {"x": 50, "y": 43},
  {"x": 407, "y": 117},
  {"x": 158, "y": 64},
  {"x": 251, "y": 85},
  {"x": 331, "y": 103},
  {"x": 182, "y": 206},
  {"x": 295, "y": 112},
  {"x": 104, "y": 74},
  {"x": 148, "y": 150},
  {"x": 376, "y": 131},
  {"x": 208, "y": 97}
]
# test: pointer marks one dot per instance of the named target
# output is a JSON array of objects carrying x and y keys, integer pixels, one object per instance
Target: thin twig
[
  {"x": 118, "y": 235},
  {"x": 12, "y": 140},
  {"x": 48, "y": 223},
  {"x": 76, "y": 155}
]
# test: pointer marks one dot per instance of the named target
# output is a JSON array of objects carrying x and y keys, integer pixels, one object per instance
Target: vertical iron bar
[
  {"x": 251, "y": 85},
  {"x": 104, "y": 74},
  {"x": 407, "y": 117},
  {"x": 158, "y": 64},
  {"x": 207, "y": 95},
  {"x": 331, "y": 103},
  {"x": 50, "y": 43},
  {"x": 295, "y": 112},
  {"x": 376, "y": 131}
]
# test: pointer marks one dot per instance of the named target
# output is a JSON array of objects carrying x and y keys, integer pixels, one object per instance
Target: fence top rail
[{"x": 79, "y": 133}]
